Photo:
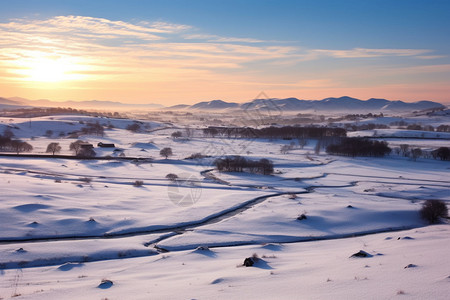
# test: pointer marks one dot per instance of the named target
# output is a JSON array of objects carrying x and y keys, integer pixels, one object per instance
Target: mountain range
[
  {"x": 18, "y": 102},
  {"x": 328, "y": 104},
  {"x": 345, "y": 104}
]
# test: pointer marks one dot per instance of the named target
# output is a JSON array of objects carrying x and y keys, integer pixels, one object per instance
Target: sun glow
[{"x": 51, "y": 69}]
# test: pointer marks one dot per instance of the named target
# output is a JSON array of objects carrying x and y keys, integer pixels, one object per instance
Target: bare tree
[
  {"x": 189, "y": 132},
  {"x": 318, "y": 147},
  {"x": 48, "y": 133},
  {"x": 433, "y": 210},
  {"x": 19, "y": 146},
  {"x": 53, "y": 148},
  {"x": 76, "y": 146},
  {"x": 284, "y": 149},
  {"x": 302, "y": 142},
  {"x": 166, "y": 152},
  {"x": 405, "y": 149},
  {"x": 7, "y": 133},
  {"x": 416, "y": 153}
]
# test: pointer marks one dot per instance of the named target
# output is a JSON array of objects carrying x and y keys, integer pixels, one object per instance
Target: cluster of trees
[
  {"x": 241, "y": 164},
  {"x": 93, "y": 128},
  {"x": 37, "y": 112},
  {"x": 138, "y": 126},
  {"x": 359, "y": 147},
  {"x": 8, "y": 144},
  {"x": 433, "y": 210},
  {"x": 135, "y": 127},
  {"x": 420, "y": 127},
  {"x": 355, "y": 117},
  {"x": 286, "y": 132},
  {"x": 442, "y": 153},
  {"x": 443, "y": 128},
  {"x": 440, "y": 128},
  {"x": 368, "y": 126}
]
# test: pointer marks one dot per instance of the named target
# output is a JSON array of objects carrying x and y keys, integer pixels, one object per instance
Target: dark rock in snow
[
  {"x": 302, "y": 217},
  {"x": 361, "y": 253},
  {"x": 410, "y": 266},
  {"x": 248, "y": 262},
  {"x": 105, "y": 284},
  {"x": 202, "y": 248}
]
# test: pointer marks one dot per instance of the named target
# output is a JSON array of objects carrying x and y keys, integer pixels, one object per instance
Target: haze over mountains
[{"x": 288, "y": 104}]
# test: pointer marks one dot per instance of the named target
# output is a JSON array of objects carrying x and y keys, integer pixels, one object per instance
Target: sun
[
  {"x": 47, "y": 70},
  {"x": 50, "y": 69}
]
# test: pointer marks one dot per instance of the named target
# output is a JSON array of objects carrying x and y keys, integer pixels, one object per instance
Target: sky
[{"x": 172, "y": 52}]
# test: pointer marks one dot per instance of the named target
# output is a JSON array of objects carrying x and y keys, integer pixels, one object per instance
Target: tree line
[
  {"x": 359, "y": 147},
  {"x": 242, "y": 164},
  {"x": 11, "y": 145},
  {"x": 285, "y": 132}
]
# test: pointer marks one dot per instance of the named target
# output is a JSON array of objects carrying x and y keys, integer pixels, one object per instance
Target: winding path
[{"x": 170, "y": 231}]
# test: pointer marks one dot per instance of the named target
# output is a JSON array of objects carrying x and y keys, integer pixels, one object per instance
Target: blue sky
[{"x": 324, "y": 48}]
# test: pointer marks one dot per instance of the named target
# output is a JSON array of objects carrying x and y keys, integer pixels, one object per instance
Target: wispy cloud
[
  {"x": 217, "y": 38},
  {"x": 106, "y": 44},
  {"x": 365, "y": 53},
  {"x": 109, "y": 54}
]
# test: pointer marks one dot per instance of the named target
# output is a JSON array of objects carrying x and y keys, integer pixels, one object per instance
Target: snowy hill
[{"x": 84, "y": 229}]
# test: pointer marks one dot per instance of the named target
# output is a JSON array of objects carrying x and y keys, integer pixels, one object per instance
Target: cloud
[
  {"x": 216, "y": 38},
  {"x": 364, "y": 52},
  {"x": 119, "y": 47},
  {"x": 111, "y": 54},
  {"x": 100, "y": 27}
]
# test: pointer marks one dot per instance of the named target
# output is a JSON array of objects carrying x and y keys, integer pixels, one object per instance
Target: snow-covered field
[{"x": 68, "y": 224}]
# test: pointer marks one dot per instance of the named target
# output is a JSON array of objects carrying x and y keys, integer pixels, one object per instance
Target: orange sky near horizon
[{"x": 86, "y": 58}]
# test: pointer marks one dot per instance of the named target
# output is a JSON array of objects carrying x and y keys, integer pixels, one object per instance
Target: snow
[
  {"x": 76, "y": 229},
  {"x": 309, "y": 270}
]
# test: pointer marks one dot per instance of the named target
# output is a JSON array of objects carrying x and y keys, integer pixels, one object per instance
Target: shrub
[
  {"x": 138, "y": 183},
  {"x": 433, "y": 210},
  {"x": 172, "y": 176},
  {"x": 177, "y": 134},
  {"x": 302, "y": 217},
  {"x": 86, "y": 179},
  {"x": 135, "y": 127},
  {"x": 93, "y": 128},
  {"x": 196, "y": 156}
]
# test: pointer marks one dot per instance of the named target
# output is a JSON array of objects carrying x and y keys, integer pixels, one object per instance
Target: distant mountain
[
  {"x": 341, "y": 104},
  {"x": 92, "y": 104},
  {"x": 214, "y": 105},
  {"x": 10, "y": 104},
  {"x": 178, "y": 107},
  {"x": 344, "y": 104}
]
